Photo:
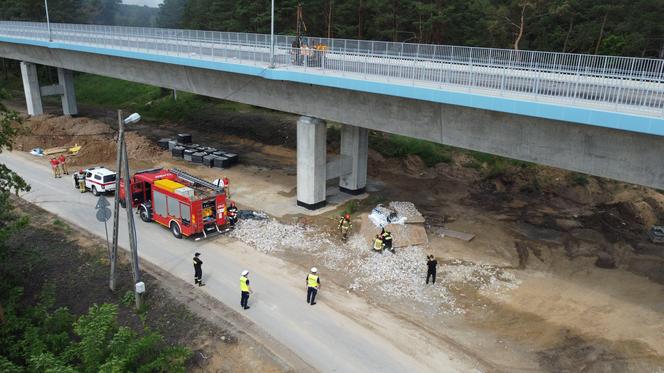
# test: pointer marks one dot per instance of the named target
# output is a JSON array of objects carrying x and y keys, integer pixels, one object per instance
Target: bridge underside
[{"x": 621, "y": 155}]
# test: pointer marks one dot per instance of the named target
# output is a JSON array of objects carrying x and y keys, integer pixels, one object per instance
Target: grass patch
[
  {"x": 152, "y": 102},
  {"x": 99, "y": 90},
  {"x": 494, "y": 166},
  {"x": 579, "y": 179},
  {"x": 401, "y": 146}
]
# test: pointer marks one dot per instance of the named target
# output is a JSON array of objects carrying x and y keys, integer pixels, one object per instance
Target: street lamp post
[
  {"x": 48, "y": 21},
  {"x": 123, "y": 171},
  {"x": 272, "y": 37}
]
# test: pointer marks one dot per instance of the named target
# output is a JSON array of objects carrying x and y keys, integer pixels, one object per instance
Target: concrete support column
[
  {"x": 66, "y": 80},
  {"x": 354, "y": 144},
  {"x": 311, "y": 162},
  {"x": 31, "y": 88}
]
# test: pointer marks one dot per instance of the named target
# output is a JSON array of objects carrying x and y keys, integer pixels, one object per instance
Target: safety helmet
[
  {"x": 314, "y": 269},
  {"x": 197, "y": 254},
  {"x": 347, "y": 216},
  {"x": 245, "y": 272}
]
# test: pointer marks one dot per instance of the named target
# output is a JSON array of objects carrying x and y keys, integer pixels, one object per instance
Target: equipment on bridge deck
[
  {"x": 186, "y": 204},
  {"x": 301, "y": 52}
]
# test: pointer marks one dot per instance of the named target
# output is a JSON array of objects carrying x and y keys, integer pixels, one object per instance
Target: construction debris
[
  {"x": 399, "y": 275},
  {"x": 455, "y": 234},
  {"x": 656, "y": 234},
  {"x": 408, "y": 211}
]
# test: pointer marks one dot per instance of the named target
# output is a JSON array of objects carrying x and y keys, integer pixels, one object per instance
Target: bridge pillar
[
  {"x": 311, "y": 162},
  {"x": 354, "y": 144},
  {"x": 66, "y": 80},
  {"x": 31, "y": 88}
]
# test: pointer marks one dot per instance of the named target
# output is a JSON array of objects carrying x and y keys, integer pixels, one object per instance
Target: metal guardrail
[{"x": 611, "y": 83}]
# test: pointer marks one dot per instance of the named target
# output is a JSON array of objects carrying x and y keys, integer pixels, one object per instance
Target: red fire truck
[{"x": 187, "y": 205}]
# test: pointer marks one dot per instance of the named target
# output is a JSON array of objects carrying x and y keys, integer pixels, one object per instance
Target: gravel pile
[
  {"x": 270, "y": 235},
  {"x": 404, "y": 208},
  {"x": 488, "y": 279},
  {"x": 399, "y": 275}
]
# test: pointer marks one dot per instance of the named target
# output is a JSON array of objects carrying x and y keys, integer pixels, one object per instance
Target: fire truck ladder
[{"x": 196, "y": 180}]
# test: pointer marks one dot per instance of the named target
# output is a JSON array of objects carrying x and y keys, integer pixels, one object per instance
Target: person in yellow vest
[
  {"x": 378, "y": 245},
  {"x": 313, "y": 284},
  {"x": 245, "y": 289}
]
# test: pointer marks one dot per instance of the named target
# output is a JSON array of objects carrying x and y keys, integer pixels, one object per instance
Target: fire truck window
[
  {"x": 138, "y": 192},
  {"x": 186, "y": 212},
  {"x": 173, "y": 207},
  {"x": 89, "y": 174},
  {"x": 159, "y": 203},
  {"x": 109, "y": 178},
  {"x": 97, "y": 177}
]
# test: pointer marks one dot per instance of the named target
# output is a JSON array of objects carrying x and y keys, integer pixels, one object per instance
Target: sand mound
[{"x": 96, "y": 138}]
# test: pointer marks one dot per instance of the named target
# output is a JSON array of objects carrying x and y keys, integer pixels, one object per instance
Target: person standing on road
[
  {"x": 313, "y": 284},
  {"x": 245, "y": 289},
  {"x": 55, "y": 167},
  {"x": 198, "y": 270},
  {"x": 432, "y": 263},
  {"x": 63, "y": 164}
]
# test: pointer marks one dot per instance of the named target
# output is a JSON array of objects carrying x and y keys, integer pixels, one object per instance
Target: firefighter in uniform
[
  {"x": 198, "y": 270},
  {"x": 63, "y": 164},
  {"x": 245, "y": 290},
  {"x": 55, "y": 167},
  {"x": 313, "y": 284},
  {"x": 378, "y": 245},
  {"x": 345, "y": 226},
  {"x": 232, "y": 214},
  {"x": 387, "y": 239}
]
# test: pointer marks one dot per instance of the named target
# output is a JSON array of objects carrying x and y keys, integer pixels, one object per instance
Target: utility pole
[
  {"x": 123, "y": 171},
  {"x": 116, "y": 202},
  {"x": 272, "y": 37}
]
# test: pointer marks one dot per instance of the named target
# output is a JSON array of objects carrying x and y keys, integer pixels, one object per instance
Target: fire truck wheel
[
  {"x": 175, "y": 229},
  {"x": 94, "y": 191},
  {"x": 145, "y": 215}
]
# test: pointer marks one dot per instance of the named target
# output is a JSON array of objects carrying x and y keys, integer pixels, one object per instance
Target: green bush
[
  {"x": 401, "y": 146},
  {"x": 41, "y": 341},
  {"x": 579, "y": 179}
]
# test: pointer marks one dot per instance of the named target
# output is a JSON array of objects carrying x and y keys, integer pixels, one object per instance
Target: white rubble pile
[
  {"x": 399, "y": 275},
  {"x": 488, "y": 279},
  {"x": 270, "y": 235},
  {"x": 404, "y": 208}
]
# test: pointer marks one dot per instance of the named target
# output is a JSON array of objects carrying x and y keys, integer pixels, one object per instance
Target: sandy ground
[{"x": 553, "y": 308}]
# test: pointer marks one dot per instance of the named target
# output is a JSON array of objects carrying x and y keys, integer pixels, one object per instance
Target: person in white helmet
[
  {"x": 245, "y": 289},
  {"x": 313, "y": 284}
]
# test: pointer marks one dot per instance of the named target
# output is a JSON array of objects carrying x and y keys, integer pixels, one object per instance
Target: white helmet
[
  {"x": 314, "y": 269},
  {"x": 245, "y": 272}
]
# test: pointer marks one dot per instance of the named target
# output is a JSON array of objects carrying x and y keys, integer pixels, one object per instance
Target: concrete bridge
[{"x": 600, "y": 115}]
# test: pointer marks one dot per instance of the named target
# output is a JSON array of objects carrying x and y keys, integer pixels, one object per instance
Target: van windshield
[{"x": 109, "y": 178}]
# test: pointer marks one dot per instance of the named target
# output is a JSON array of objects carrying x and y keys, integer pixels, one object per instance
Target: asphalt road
[{"x": 342, "y": 333}]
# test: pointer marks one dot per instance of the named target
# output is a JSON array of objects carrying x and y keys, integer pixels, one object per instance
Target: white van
[{"x": 98, "y": 180}]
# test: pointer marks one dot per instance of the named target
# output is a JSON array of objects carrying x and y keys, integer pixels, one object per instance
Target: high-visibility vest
[
  {"x": 243, "y": 284},
  {"x": 378, "y": 244},
  {"x": 312, "y": 281}
]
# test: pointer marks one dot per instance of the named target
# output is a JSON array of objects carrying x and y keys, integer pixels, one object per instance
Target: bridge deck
[{"x": 617, "y": 92}]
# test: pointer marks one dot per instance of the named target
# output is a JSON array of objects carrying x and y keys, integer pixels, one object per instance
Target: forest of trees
[
  {"x": 617, "y": 27},
  {"x": 104, "y": 12},
  {"x": 620, "y": 27}
]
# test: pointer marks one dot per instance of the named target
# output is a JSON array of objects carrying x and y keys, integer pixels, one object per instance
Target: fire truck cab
[{"x": 185, "y": 204}]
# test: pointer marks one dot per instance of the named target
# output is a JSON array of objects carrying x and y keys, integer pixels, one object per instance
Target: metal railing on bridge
[{"x": 620, "y": 84}]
